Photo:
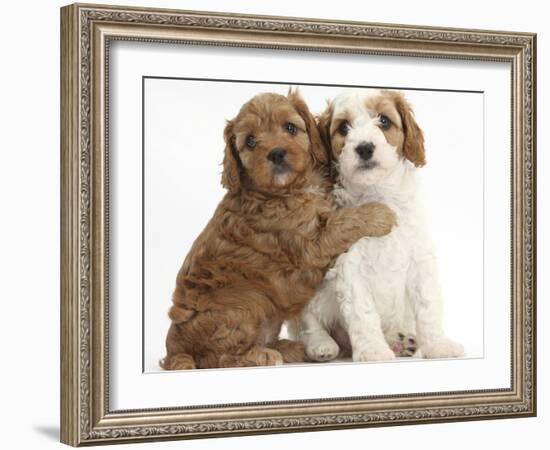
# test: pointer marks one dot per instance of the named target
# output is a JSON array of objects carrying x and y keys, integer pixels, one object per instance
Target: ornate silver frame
[{"x": 86, "y": 31}]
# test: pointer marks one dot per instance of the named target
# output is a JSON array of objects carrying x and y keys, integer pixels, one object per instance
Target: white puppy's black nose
[
  {"x": 365, "y": 150},
  {"x": 277, "y": 156}
]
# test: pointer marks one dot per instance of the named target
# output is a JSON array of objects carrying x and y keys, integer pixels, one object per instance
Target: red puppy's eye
[
  {"x": 291, "y": 128},
  {"x": 250, "y": 142}
]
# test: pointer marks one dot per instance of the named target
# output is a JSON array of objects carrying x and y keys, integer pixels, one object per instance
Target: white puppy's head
[{"x": 369, "y": 133}]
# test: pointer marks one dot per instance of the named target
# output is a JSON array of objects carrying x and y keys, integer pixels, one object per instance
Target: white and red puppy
[{"x": 384, "y": 290}]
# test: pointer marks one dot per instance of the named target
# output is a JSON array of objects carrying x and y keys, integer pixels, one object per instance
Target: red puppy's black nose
[{"x": 277, "y": 156}]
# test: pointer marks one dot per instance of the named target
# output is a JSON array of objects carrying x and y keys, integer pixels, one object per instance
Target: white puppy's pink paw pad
[{"x": 403, "y": 345}]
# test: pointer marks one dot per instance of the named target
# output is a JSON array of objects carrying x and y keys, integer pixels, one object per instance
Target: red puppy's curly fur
[{"x": 268, "y": 245}]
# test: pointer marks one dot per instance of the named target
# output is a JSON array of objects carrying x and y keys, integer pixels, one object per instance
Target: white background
[
  {"x": 184, "y": 123},
  {"x": 454, "y": 195},
  {"x": 29, "y": 235}
]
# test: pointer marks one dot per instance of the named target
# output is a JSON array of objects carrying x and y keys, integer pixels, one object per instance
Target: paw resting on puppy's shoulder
[{"x": 378, "y": 219}]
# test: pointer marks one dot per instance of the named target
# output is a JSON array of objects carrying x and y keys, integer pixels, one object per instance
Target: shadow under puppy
[
  {"x": 268, "y": 245},
  {"x": 383, "y": 291}
]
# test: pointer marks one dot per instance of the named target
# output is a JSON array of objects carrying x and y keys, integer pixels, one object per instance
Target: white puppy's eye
[
  {"x": 344, "y": 127},
  {"x": 385, "y": 123}
]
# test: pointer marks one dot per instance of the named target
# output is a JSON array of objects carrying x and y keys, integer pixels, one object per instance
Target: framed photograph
[{"x": 276, "y": 224}]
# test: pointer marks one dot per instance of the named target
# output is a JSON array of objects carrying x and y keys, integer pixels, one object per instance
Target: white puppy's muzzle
[{"x": 366, "y": 155}]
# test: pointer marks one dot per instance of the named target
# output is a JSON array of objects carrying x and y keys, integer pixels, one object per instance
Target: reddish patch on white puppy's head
[{"x": 368, "y": 133}]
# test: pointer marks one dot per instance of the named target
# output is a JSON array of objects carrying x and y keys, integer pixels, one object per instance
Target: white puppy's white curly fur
[{"x": 384, "y": 287}]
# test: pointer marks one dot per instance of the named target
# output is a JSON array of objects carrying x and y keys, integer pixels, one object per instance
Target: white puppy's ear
[{"x": 413, "y": 145}]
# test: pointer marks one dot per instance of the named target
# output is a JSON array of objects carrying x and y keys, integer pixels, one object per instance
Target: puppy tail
[{"x": 180, "y": 314}]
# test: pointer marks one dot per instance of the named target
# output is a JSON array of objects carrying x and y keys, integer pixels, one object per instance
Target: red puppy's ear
[
  {"x": 323, "y": 124},
  {"x": 413, "y": 145},
  {"x": 231, "y": 179},
  {"x": 317, "y": 148},
  {"x": 324, "y": 121}
]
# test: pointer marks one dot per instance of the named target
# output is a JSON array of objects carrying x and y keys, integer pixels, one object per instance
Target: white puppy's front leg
[
  {"x": 424, "y": 292},
  {"x": 319, "y": 345},
  {"x": 360, "y": 317},
  {"x": 311, "y": 327}
]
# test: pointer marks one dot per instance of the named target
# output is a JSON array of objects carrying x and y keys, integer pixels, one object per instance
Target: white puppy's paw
[
  {"x": 403, "y": 344},
  {"x": 442, "y": 347},
  {"x": 374, "y": 351},
  {"x": 322, "y": 349}
]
